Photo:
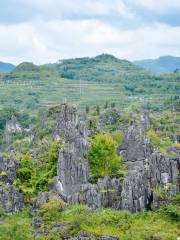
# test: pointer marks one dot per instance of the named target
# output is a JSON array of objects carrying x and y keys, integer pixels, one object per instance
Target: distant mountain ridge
[
  {"x": 6, "y": 67},
  {"x": 162, "y": 64}
]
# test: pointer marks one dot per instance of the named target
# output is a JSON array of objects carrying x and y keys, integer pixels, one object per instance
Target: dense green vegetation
[{"x": 31, "y": 178}]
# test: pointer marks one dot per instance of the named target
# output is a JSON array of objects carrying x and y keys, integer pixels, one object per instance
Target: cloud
[
  {"x": 160, "y": 6},
  {"x": 47, "y": 41},
  {"x": 47, "y": 30},
  {"x": 12, "y": 11}
]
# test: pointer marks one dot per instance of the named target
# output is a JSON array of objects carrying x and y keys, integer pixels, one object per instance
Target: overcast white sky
[{"x": 43, "y": 31}]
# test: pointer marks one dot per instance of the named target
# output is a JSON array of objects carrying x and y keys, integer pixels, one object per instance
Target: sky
[{"x": 44, "y": 31}]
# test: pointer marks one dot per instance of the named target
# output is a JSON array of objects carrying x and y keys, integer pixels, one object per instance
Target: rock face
[
  {"x": 72, "y": 165},
  {"x": 147, "y": 169},
  {"x": 106, "y": 193},
  {"x": 72, "y": 181},
  {"x": 8, "y": 169},
  {"x": 109, "y": 117},
  {"x": 136, "y": 146},
  {"x": 11, "y": 200},
  {"x": 12, "y": 126}
]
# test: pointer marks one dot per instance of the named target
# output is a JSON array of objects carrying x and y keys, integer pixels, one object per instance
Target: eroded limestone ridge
[
  {"x": 72, "y": 168},
  {"x": 147, "y": 169}
]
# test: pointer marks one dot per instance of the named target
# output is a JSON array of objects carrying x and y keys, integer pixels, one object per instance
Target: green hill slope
[{"x": 87, "y": 81}]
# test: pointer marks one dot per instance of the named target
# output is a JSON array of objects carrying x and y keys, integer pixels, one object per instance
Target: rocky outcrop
[
  {"x": 136, "y": 147},
  {"x": 110, "y": 117},
  {"x": 11, "y": 200},
  {"x": 106, "y": 193},
  {"x": 147, "y": 170},
  {"x": 72, "y": 174},
  {"x": 72, "y": 168},
  {"x": 12, "y": 126},
  {"x": 8, "y": 169}
]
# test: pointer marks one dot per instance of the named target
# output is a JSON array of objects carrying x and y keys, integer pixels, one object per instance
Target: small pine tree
[
  {"x": 98, "y": 109},
  {"x": 106, "y": 105},
  {"x": 113, "y": 105},
  {"x": 87, "y": 109}
]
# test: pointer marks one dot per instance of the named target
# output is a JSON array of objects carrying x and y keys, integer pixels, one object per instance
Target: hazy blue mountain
[
  {"x": 160, "y": 65},
  {"x": 6, "y": 67}
]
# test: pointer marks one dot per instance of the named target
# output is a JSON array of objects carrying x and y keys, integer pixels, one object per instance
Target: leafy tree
[
  {"x": 113, "y": 105},
  {"x": 102, "y": 157}
]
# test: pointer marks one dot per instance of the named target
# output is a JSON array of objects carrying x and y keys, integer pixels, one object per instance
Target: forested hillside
[{"x": 88, "y": 81}]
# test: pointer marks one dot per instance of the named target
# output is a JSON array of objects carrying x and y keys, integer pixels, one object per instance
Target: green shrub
[
  {"x": 32, "y": 178},
  {"x": 50, "y": 210},
  {"x": 153, "y": 137},
  {"x": 3, "y": 174},
  {"x": 160, "y": 143},
  {"x": 172, "y": 211}
]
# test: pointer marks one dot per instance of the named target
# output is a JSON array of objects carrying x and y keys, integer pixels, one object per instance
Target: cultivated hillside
[{"x": 87, "y": 81}]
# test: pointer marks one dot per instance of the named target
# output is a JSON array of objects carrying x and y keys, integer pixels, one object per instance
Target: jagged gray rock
[
  {"x": 72, "y": 167},
  {"x": 12, "y": 126},
  {"x": 147, "y": 168},
  {"x": 8, "y": 169},
  {"x": 106, "y": 193},
  {"x": 72, "y": 181},
  {"x": 42, "y": 198},
  {"x": 11, "y": 200},
  {"x": 110, "y": 117}
]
